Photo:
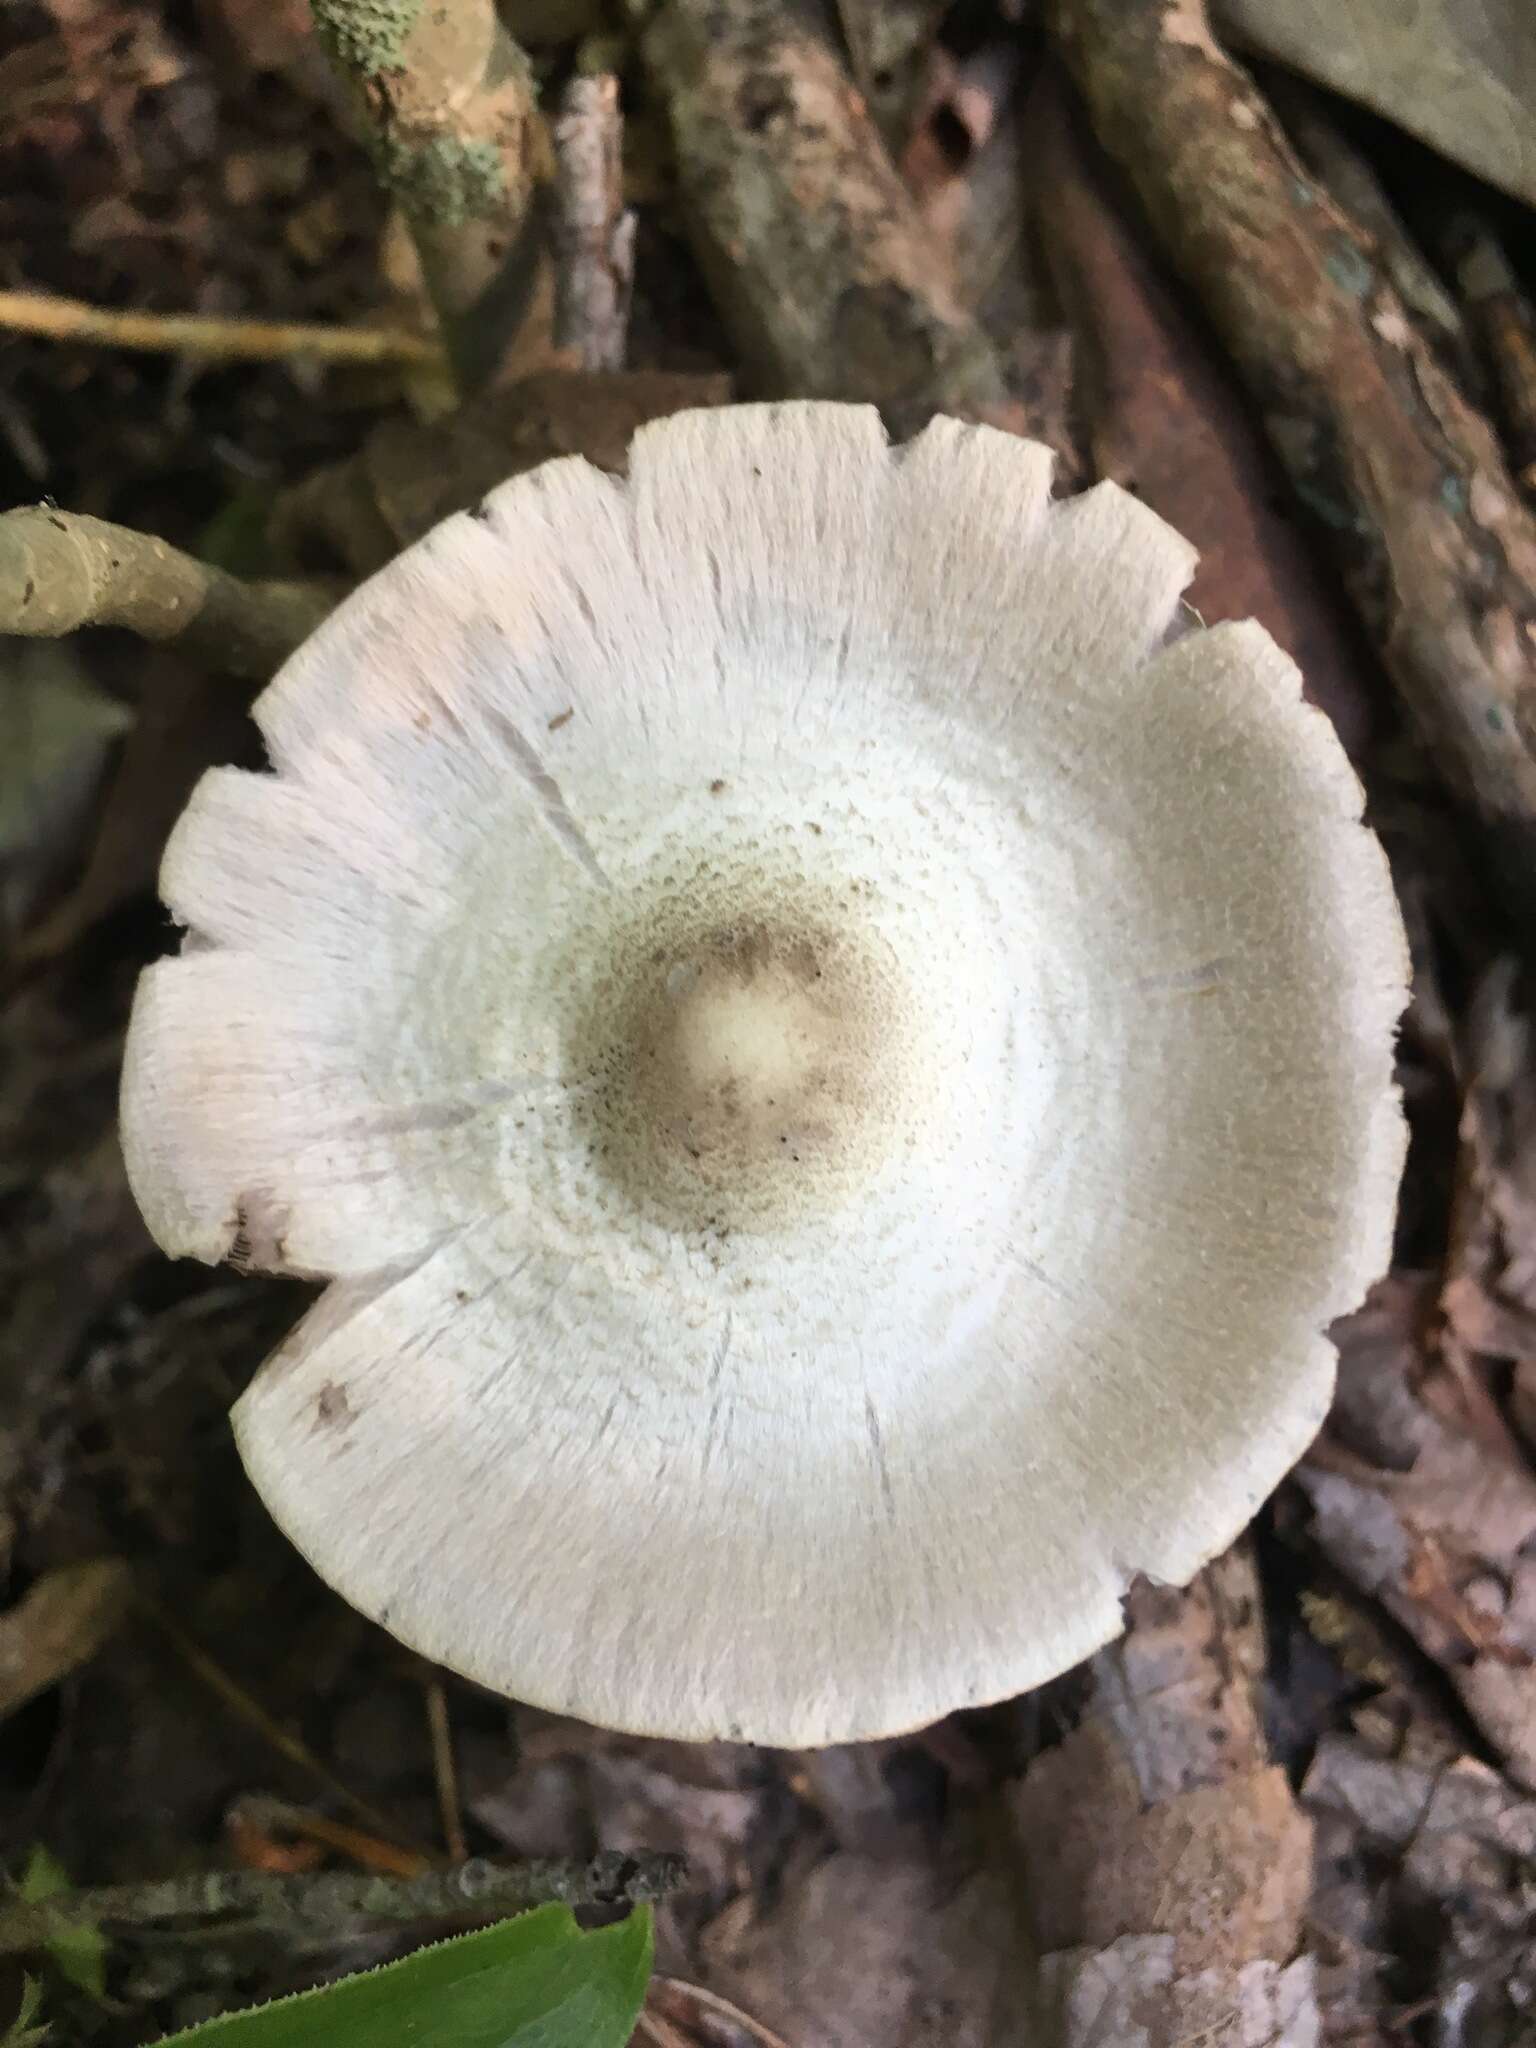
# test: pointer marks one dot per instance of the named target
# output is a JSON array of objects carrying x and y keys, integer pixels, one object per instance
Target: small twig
[
  {"x": 240, "y": 1702},
  {"x": 654, "y": 2032},
  {"x": 330, "y": 1901},
  {"x": 594, "y": 234},
  {"x": 440, "y": 1730},
  {"x": 63, "y": 570},
  {"x": 201, "y": 334},
  {"x": 449, "y": 108}
]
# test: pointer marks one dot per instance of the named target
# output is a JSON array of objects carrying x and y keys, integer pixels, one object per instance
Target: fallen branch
[
  {"x": 1353, "y": 183},
  {"x": 813, "y": 247},
  {"x": 200, "y": 334},
  {"x": 62, "y": 570},
  {"x": 449, "y": 109},
  {"x": 331, "y": 1901},
  {"x": 594, "y": 233},
  {"x": 1438, "y": 552}
]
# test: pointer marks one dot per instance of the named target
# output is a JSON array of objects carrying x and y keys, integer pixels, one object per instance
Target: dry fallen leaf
[
  {"x": 56, "y": 730},
  {"x": 1421, "y": 1497},
  {"x": 58, "y": 1626},
  {"x": 1456, "y": 72}
]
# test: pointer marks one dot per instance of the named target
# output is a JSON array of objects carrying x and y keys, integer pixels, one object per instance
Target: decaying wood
[
  {"x": 1165, "y": 420},
  {"x": 594, "y": 232},
  {"x": 1438, "y": 550},
  {"x": 813, "y": 247},
  {"x": 1501, "y": 315},
  {"x": 1353, "y": 183},
  {"x": 1168, "y": 1865},
  {"x": 1420, "y": 1496},
  {"x": 63, "y": 570},
  {"x": 450, "y": 112},
  {"x": 409, "y": 475}
]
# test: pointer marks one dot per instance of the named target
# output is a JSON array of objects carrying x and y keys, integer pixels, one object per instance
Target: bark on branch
[
  {"x": 450, "y": 112},
  {"x": 594, "y": 233},
  {"x": 326, "y": 1902},
  {"x": 813, "y": 247},
  {"x": 63, "y": 570},
  {"x": 1438, "y": 551}
]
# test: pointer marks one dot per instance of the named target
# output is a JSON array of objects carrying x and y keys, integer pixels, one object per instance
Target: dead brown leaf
[
  {"x": 58, "y": 1626},
  {"x": 1431, "y": 1510},
  {"x": 854, "y": 1952},
  {"x": 409, "y": 474}
]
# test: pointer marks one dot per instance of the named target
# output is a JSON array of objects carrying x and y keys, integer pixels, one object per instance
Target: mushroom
[{"x": 838, "y": 1069}]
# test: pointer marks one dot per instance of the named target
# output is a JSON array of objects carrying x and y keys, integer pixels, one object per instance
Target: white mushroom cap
[{"x": 838, "y": 1077}]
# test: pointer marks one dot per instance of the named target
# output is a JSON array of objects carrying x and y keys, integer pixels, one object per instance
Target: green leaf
[
  {"x": 77, "y": 1950},
  {"x": 23, "y": 2032},
  {"x": 534, "y": 1982}
]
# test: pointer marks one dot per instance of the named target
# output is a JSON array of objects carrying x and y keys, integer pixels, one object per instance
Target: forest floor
[{"x": 1326, "y": 1749}]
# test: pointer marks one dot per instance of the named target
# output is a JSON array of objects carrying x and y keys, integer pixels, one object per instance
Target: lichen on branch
[{"x": 450, "y": 113}]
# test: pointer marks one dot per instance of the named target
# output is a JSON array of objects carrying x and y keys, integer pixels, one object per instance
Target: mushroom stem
[
  {"x": 449, "y": 109},
  {"x": 1438, "y": 551},
  {"x": 813, "y": 246},
  {"x": 63, "y": 570}
]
